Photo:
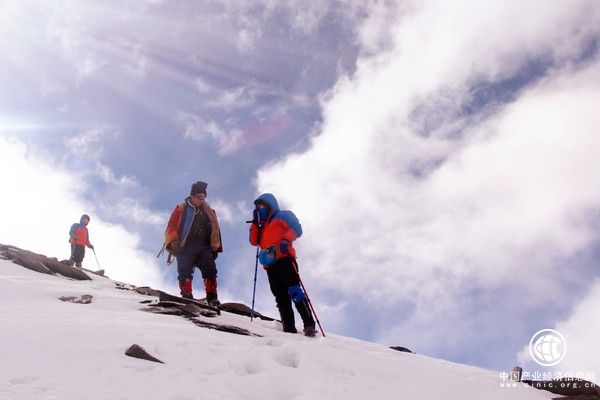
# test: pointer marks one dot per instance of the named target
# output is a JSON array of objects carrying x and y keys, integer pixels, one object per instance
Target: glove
[
  {"x": 255, "y": 216},
  {"x": 175, "y": 246},
  {"x": 91, "y": 246},
  {"x": 215, "y": 255},
  {"x": 284, "y": 246}
]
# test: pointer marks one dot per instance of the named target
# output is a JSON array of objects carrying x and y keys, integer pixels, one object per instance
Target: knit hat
[{"x": 198, "y": 187}]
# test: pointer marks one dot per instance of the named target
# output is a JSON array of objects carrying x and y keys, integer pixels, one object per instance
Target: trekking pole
[
  {"x": 254, "y": 290},
  {"x": 307, "y": 297},
  {"x": 97, "y": 263},
  {"x": 255, "y": 268}
]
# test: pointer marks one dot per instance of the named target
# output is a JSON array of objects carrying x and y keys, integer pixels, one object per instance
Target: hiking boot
[
  {"x": 290, "y": 329},
  {"x": 212, "y": 299},
  {"x": 310, "y": 331}
]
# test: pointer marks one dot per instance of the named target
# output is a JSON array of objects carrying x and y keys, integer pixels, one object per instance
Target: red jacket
[
  {"x": 280, "y": 225},
  {"x": 78, "y": 234}
]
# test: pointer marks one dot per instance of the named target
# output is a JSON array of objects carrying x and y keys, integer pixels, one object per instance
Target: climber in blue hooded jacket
[{"x": 274, "y": 230}]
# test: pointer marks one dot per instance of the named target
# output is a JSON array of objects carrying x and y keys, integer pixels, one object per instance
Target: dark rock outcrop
[
  {"x": 148, "y": 291},
  {"x": 31, "y": 260},
  {"x": 169, "y": 297},
  {"x": 176, "y": 308},
  {"x": 32, "y": 264},
  {"x": 100, "y": 272},
  {"x": 65, "y": 270},
  {"x": 402, "y": 349},
  {"x": 124, "y": 286},
  {"x": 164, "y": 310},
  {"x": 192, "y": 310},
  {"x": 242, "y": 309},
  {"x": 83, "y": 299},
  {"x": 137, "y": 351},
  {"x": 223, "y": 328}
]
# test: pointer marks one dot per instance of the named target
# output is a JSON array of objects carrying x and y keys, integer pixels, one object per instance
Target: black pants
[
  {"x": 190, "y": 258},
  {"x": 281, "y": 276},
  {"x": 77, "y": 254}
]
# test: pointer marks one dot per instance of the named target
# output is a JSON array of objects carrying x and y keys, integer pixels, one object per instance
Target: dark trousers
[
  {"x": 281, "y": 276},
  {"x": 77, "y": 254},
  {"x": 190, "y": 258}
]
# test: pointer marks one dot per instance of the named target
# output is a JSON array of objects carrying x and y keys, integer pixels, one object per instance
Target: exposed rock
[
  {"x": 400, "y": 348},
  {"x": 136, "y": 351},
  {"x": 169, "y": 304},
  {"x": 32, "y": 264},
  {"x": 163, "y": 310},
  {"x": 242, "y": 309},
  {"x": 148, "y": 291},
  {"x": 31, "y": 260},
  {"x": 169, "y": 297},
  {"x": 193, "y": 310},
  {"x": 83, "y": 299},
  {"x": 124, "y": 286},
  {"x": 65, "y": 270},
  {"x": 174, "y": 308},
  {"x": 100, "y": 272},
  {"x": 223, "y": 328},
  {"x": 146, "y": 301}
]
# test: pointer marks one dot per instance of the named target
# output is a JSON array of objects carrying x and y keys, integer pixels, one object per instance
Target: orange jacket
[{"x": 78, "y": 234}]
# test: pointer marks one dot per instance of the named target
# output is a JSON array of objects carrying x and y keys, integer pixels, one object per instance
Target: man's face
[
  {"x": 86, "y": 221},
  {"x": 197, "y": 199}
]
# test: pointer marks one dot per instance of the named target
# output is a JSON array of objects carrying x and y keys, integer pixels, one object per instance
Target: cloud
[
  {"x": 132, "y": 210},
  {"x": 109, "y": 177},
  {"x": 197, "y": 128},
  {"x": 420, "y": 210},
  {"x": 90, "y": 142},
  {"x": 202, "y": 86},
  {"x": 87, "y": 68},
  {"x": 581, "y": 332},
  {"x": 49, "y": 200}
]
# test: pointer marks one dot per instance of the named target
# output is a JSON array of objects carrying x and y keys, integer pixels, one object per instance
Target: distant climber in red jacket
[{"x": 79, "y": 239}]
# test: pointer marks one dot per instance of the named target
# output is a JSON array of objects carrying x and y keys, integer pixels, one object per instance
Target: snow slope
[{"x": 50, "y": 349}]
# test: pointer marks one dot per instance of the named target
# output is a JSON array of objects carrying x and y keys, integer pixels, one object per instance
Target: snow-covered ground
[{"x": 51, "y": 349}]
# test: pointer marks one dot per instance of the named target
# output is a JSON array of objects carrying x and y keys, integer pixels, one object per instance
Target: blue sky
[{"x": 441, "y": 158}]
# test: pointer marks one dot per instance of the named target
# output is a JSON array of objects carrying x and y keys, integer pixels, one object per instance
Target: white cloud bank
[
  {"x": 407, "y": 199},
  {"x": 45, "y": 201}
]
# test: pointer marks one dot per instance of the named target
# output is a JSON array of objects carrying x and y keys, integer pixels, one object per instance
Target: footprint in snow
[
  {"x": 287, "y": 358},
  {"x": 23, "y": 380},
  {"x": 243, "y": 367}
]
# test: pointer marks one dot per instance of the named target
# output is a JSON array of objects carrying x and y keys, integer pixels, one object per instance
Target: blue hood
[{"x": 269, "y": 199}]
